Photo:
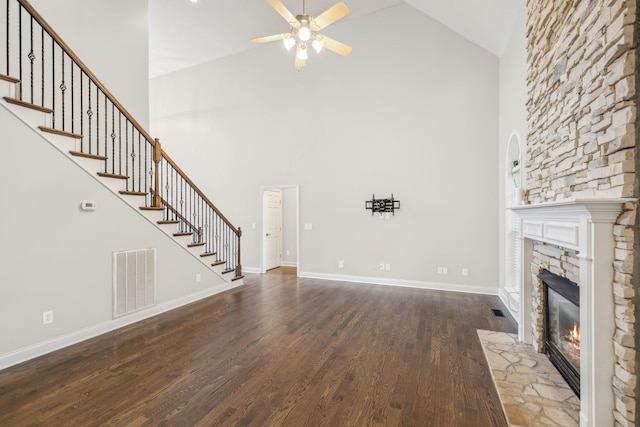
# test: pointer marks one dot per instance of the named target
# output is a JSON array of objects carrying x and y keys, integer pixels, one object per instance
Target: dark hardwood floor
[{"x": 279, "y": 351}]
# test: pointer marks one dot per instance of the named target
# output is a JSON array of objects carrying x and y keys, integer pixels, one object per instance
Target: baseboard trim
[
  {"x": 289, "y": 264},
  {"x": 251, "y": 270},
  {"x": 436, "y": 286},
  {"x": 40, "y": 349}
]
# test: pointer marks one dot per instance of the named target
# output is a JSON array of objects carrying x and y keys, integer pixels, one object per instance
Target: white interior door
[{"x": 272, "y": 226}]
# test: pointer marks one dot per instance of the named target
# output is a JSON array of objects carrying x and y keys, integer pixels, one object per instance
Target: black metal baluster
[
  {"x": 8, "y": 40},
  {"x": 139, "y": 162},
  {"x": 133, "y": 160},
  {"x": 90, "y": 115},
  {"x": 42, "y": 63},
  {"x": 170, "y": 191},
  {"x": 82, "y": 109},
  {"x": 97, "y": 121},
  {"x": 113, "y": 139},
  {"x": 53, "y": 84},
  {"x": 73, "y": 103},
  {"x": 119, "y": 142},
  {"x": 32, "y": 58},
  {"x": 20, "y": 51},
  {"x": 63, "y": 90},
  {"x": 106, "y": 125},
  {"x": 126, "y": 148}
]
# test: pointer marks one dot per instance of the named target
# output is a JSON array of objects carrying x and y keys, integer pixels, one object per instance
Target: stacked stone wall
[{"x": 582, "y": 113}]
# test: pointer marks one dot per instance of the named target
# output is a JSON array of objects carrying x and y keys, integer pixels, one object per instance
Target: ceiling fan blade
[
  {"x": 267, "y": 39},
  {"x": 329, "y": 16},
  {"x": 336, "y": 46},
  {"x": 299, "y": 62},
  {"x": 284, "y": 12}
]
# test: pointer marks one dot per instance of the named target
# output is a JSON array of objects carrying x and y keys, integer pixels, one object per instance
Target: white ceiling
[{"x": 183, "y": 34}]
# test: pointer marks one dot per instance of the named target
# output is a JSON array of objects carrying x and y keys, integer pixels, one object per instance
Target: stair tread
[
  {"x": 27, "y": 105},
  {"x": 218, "y": 263},
  {"x": 9, "y": 79},
  {"x": 237, "y": 278},
  {"x": 151, "y": 208},
  {"x": 228, "y": 270},
  {"x": 183, "y": 233},
  {"x": 207, "y": 254},
  {"x": 60, "y": 132},
  {"x": 193, "y": 245},
  {"x": 87, "y": 155},
  {"x": 169, "y": 221},
  {"x": 132, "y": 193},
  {"x": 112, "y": 175}
]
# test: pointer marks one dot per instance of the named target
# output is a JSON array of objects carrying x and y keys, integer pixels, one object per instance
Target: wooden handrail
[{"x": 54, "y": 35}]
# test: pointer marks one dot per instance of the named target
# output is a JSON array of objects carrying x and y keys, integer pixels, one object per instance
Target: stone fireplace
[{"x": 584, "y": 227}]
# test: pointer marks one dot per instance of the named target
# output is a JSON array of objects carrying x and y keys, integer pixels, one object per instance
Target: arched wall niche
[{"x": 513, "y": 196}]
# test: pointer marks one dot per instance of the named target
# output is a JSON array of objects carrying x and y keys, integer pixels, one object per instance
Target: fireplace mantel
[
  {"x": 560, "y": 223},
  {"x": 585, "y": 226}
]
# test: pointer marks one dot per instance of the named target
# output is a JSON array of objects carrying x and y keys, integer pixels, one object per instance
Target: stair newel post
[
  {"x": 157, "y": 156},
  {"x": 238, "y": 265}
]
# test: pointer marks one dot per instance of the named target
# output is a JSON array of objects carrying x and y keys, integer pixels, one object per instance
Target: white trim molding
[
  {"x": 484, "y": 290},
  {"x": 586, "y": 226}
]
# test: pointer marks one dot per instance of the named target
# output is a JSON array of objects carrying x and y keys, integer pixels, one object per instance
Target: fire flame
[{"x": 574, "y": 336}]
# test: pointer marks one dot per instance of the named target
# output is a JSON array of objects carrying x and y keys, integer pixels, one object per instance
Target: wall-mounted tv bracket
[{"x": 382, "y": 205}]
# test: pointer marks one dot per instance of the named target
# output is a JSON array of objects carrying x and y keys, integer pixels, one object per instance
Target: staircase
[{"x": 51, "y": 90}]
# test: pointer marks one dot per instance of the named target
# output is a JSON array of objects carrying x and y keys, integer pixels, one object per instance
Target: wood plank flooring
[{"x": 279, "y": 351}]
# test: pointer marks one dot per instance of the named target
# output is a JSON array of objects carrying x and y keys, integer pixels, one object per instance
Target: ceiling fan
[{"x": 305, "y": 31}]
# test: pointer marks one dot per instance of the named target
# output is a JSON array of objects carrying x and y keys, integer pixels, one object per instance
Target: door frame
[{"x": 263, "y": 189}]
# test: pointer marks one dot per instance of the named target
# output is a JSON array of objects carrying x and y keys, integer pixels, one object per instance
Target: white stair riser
[{"x": 93, "y": 166}]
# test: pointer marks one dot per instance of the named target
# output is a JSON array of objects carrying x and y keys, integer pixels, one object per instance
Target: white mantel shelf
[{"x": 585, "y": 226}]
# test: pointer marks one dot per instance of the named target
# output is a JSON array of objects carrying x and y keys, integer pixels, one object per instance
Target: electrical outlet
[
  {"x": 198, "y": 277},
  {"x": 340, "y": 263},
  {"x": 445, "y": 270},
  {"x": 387, "y": 267},
  {"x": 288, "y": 253},
  {"x": 439, "y": 270},
  {"x": 465, "y": 271},
  {"x": 382, "y": 266},
  {"x": 47, "y": 317}
]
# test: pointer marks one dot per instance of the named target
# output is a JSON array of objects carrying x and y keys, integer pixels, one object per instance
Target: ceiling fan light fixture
[
  {"x": 304, "y": 33},
  {"x": 302, "y": 51},
  {"x": 289, "y": 42},
  {"x": 317, "y": 44}
]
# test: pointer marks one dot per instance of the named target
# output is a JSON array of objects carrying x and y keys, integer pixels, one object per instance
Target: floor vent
[
  {"x": 497, "y": 312},
  {"x": 134, "y": 281}
]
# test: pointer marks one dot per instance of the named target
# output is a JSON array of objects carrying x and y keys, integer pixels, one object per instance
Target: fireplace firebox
[{"x": 562, "y": 326}]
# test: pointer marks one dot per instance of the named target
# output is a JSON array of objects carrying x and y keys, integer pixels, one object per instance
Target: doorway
[{"x": 280, "y": 240}]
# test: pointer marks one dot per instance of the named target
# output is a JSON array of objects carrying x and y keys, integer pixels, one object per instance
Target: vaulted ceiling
[{"x": 183, "y": 34}]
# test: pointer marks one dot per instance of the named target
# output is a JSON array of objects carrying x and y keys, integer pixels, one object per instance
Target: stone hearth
[{"x": 531, "y": 390}]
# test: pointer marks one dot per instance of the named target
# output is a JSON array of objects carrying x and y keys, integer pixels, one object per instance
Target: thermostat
[{"x": 88, "y": 205}]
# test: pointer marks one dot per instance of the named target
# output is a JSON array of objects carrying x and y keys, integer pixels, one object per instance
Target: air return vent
[{"x": 134, "y": 281}]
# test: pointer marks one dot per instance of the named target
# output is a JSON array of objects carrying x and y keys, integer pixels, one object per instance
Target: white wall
[
  {"x": 413, "y": 111},
  {"x": 111, "y": 38},
  {"x": 513, "y": 113}
]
